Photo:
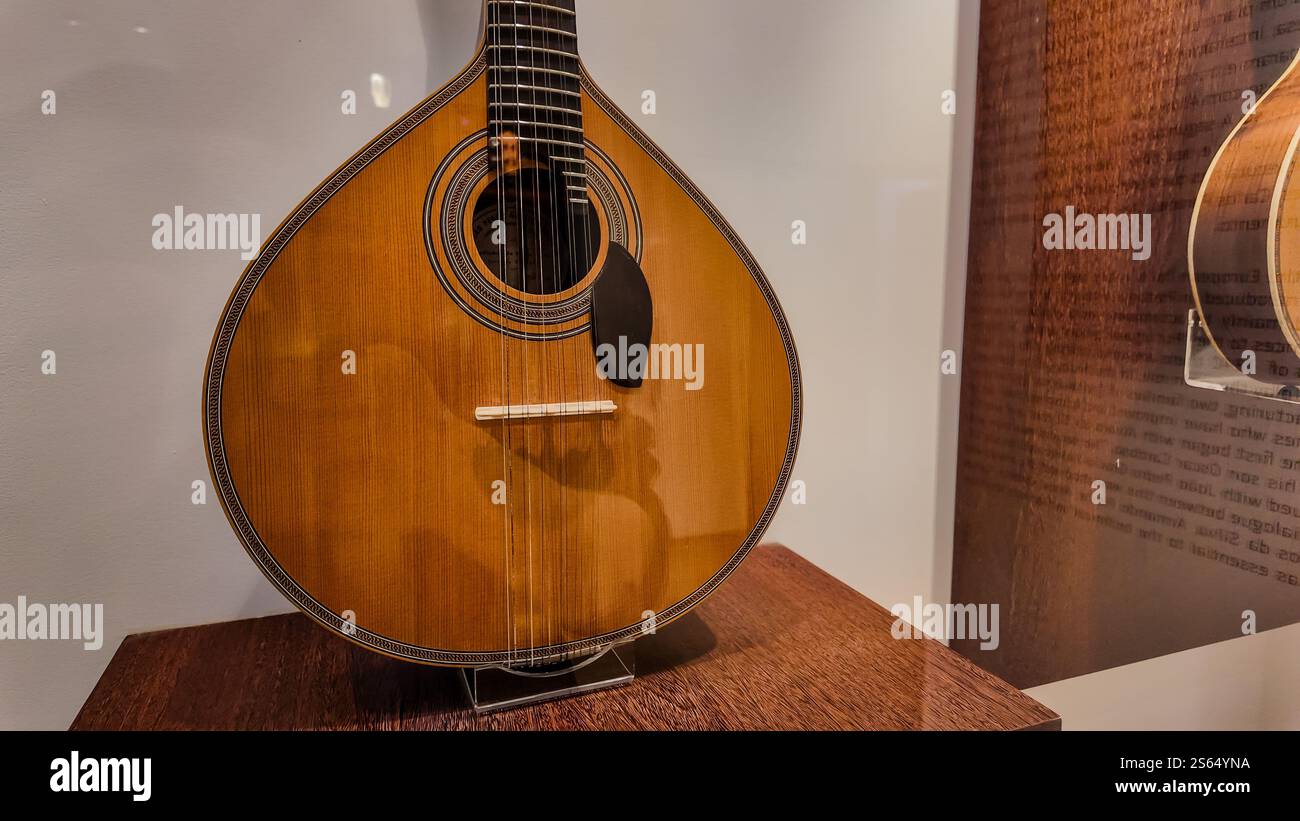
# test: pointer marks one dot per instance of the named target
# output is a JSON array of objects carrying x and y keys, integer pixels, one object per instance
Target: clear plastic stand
[
  {"x": 501, "y": 687},
  {"x": 1206, "y": 368}
]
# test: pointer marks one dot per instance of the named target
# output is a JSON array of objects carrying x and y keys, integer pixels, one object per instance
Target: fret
[
  {"x": 544, "y": 6},
  {"x": 572, "y": 111},
  {"x": 549, "y": 141},
  {"x": 540, "y": 69},
  {"x": 535, "y": 89},
  {"x": 521, "y": 47},
  {"x": 553, "y": 151},
  {"x": 531, "y": 27},
  {"x": 532, "y": 124},
  {"x": 523, "y": 40}
]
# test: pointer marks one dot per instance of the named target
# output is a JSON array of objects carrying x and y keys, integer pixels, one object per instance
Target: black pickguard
[{"x": 621, "y": 307}]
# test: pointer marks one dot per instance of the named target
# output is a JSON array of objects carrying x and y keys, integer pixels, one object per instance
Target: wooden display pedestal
[{"x": 781, "y": 645}]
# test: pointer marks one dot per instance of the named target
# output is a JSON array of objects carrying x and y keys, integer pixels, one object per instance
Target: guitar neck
[{"x": 534, "y": 90}]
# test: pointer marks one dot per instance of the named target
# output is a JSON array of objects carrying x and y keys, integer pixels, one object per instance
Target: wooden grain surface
[
  {"x": 1072, "y": 360},
  {"x": 782, "y": 645}
]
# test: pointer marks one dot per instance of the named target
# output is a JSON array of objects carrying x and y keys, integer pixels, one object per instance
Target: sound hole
[{"x": 543, "y": 244}]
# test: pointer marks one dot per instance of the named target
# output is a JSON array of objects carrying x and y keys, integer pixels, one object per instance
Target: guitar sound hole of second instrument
[{"x": 531, "y": 236}]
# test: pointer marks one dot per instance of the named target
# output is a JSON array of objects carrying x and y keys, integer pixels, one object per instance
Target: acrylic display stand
[
  {"x": 501, "y": 687},
  {"x": 1205, "y": 367}
]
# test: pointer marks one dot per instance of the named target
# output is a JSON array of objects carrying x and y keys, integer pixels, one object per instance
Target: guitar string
[
  {"x": 580, "y": 269},
  {"x": 573, "y": 370},
  {"x": 574, "y": 276},
  {"x": 576, "y": 273},
  {"x": 507, "y": 466},
  {"x": 559, "y": 185},
  {"x": 563, "y": 280},
  {"x": 544, "y": 376},
  {"x": 554, "y": 450},
  {"x": 595, "y": 441},
  {"x": 557, "y": 374},
  {"x": 525, "y": 353},
  {"x": 539, "y": 618}
]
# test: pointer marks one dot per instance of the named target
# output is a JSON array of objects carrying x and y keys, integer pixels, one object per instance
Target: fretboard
[{"x": 534, "y": 94}]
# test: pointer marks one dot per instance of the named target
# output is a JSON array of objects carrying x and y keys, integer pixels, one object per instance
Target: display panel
[{"x": 1114, "y": 511}]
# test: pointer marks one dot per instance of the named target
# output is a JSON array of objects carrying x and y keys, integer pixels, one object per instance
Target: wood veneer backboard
[{"x": 1072, "y": 364}]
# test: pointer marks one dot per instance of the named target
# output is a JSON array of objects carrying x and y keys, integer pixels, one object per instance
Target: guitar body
[
  {"x": 1244, "y": 246},
  {"x": 359, "y": 351}
]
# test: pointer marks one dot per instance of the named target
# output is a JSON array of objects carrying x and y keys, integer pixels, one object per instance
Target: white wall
[
  {"x": 831, "y": 116},
  {"x": 1248, "y": 683}
]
